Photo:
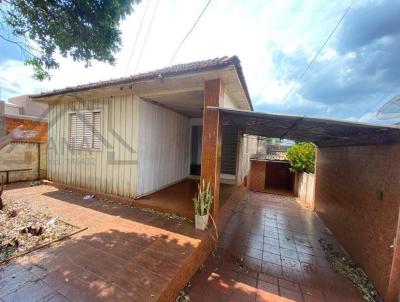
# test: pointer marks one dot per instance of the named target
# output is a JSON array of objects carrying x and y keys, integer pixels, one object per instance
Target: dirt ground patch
[{"x": 24, "y": 227}]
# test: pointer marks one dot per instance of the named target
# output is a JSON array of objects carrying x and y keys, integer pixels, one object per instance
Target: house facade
[
  {"x": 23, "y": 106},
  {"x": 134, "y": 136}
]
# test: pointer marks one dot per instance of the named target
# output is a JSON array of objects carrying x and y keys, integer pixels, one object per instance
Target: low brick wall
[
  {"x": 257, "y": 175},
  {"x": 357, "y": 196},
  {"x": 30, "y": 157},
  {"x": 304, "y": 189}
]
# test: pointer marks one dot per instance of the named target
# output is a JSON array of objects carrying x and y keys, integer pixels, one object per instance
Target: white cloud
[{"x": 253, "y": 30}]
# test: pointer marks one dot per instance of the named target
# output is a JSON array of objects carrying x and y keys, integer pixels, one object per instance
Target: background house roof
[
  {"x": 174, "y": 70},
  {"x": 322, "y": 132}
]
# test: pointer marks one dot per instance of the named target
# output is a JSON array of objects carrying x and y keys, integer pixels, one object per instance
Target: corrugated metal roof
[
  {"x": 179, "y": 69},
  {"x": 323, "y": 132}
]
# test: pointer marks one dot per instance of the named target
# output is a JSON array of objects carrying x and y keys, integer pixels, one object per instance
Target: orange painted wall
[
  {"x": 358, "y": 196},
  {"x": 40, "y": 126}
]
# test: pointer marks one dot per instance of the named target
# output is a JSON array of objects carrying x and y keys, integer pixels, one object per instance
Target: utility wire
[
  {"x": 319, "y": 51},
  {"x": 147, "y": 35},
  {"x": 137, "y": 37},
  {"x": 189, "y": 32}
]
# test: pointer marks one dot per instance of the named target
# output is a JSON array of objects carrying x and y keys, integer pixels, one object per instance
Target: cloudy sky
[{"x": 356, "y": 73}]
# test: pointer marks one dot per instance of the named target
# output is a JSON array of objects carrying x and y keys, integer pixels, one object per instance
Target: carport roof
[{"x": 322, "y": 132}]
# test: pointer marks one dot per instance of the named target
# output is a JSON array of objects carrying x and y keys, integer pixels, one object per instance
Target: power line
[
  {"x": 319, "y": 51},
  {"x": 137, "y": 37},
  {"x": 147, "y": 35},
  {"x": 190, "y": 31}
]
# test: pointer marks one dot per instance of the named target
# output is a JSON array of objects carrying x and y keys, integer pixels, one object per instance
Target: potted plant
[{"x": 202, "y": 204}]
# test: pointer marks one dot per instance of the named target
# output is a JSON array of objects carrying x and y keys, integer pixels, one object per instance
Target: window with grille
[{"x": 85, "y": 130}]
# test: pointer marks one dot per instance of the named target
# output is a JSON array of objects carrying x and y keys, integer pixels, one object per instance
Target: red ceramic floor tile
[
  {"x": 248, "y": 280},
  {"x": 308, "y": 298},
  {"x": 291, "y": 263},
  {"x": 253, "y": 263},
  {"x": 271, "y": 269},
  {"x": 241, "y": 296},
  {"x": 288, "y": 284},
  {"x": 271, "y": 248},
  {"x": 56, "y": 298},
  {"x": 254, "y": 253},
  {"x": 31, "y": 291},
  {"x": 271, "y": 234},
  {"x": 312, "y": 291},
  {"x": 268, "y": 287},
  {"x": 288, "y": 253},
  {"x": 14, "y": 281},
  {"x": 268, "y": 278},
  {"x": 290, "y": 294},
  {"x": 271, "y": 241},
  {"x": 271, "y": 257}
]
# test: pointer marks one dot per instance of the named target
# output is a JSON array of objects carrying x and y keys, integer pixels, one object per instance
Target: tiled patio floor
[
  {"x": 283, "y": 260},
  {"x": 124, "y": 255},
  {"x": 178, "y": 198}
]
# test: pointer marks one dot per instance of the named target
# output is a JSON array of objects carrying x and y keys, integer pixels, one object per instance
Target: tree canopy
[{"x": 85, "y": 30}]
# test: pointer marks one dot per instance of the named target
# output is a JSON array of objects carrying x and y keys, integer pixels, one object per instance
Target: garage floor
[{"x": 282, "y": 258}]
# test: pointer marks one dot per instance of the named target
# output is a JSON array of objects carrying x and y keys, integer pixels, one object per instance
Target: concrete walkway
[
  {"x": 282, "y": 257},
  {"x": 125, "y": 254}
]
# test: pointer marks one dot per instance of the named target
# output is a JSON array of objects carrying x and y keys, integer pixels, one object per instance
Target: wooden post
[{"x": 212, "y": 140}]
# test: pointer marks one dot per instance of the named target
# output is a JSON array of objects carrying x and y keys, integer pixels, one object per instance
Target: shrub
[
  {"x": 203, "y": 199},
  {"x": 301, "y": 157}
]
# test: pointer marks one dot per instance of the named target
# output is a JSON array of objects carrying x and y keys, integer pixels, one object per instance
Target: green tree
[
  {"x": 301, "y": 157},
  {"x": 85, "y": 30}
]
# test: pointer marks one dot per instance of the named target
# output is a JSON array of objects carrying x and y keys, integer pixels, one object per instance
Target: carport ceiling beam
[{"x": 323, "y": 132}]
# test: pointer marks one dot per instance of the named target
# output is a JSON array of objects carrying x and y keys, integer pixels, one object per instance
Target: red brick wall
[
  {"x": 257, "y": 175},
  {"x": 40, "y": 126},
  {"x": 357, "y": 196}
]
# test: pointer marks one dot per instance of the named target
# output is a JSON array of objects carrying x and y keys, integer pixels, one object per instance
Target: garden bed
[{"x": 24, "y": 228}]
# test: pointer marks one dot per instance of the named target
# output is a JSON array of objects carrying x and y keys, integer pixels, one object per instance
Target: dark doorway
[
  {"x": 278, "y": 178},
  {"x": 195, "y": 162}
]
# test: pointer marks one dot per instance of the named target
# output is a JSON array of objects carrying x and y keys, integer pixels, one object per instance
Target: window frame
[{"x": 70, "y": 146}]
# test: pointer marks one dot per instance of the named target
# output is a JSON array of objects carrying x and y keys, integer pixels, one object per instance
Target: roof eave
[{"x": 234, "y": 61}]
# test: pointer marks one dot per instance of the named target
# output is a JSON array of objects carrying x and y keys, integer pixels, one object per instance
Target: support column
[{"x": 212, "y": 140}]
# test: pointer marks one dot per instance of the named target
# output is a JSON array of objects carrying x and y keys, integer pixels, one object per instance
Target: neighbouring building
[
  {"x": 24, "y": 159},
  {"x": 23, "y": 105}
]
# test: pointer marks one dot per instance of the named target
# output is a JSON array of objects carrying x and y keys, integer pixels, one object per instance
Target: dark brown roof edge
[{"x": 180, "y": 69}]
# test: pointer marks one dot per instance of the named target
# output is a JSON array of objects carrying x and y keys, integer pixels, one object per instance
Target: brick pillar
[
  {"x": 257, "y": 175},
  {"x": 212, "y": 140}
]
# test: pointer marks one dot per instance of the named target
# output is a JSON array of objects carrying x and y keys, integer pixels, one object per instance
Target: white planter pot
[{"x": 201, "y": 221}]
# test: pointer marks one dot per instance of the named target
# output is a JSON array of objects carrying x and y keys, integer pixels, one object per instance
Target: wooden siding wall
[
  {"x": 164, "y": 147},
  {"x": 109, "y": 170}
]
